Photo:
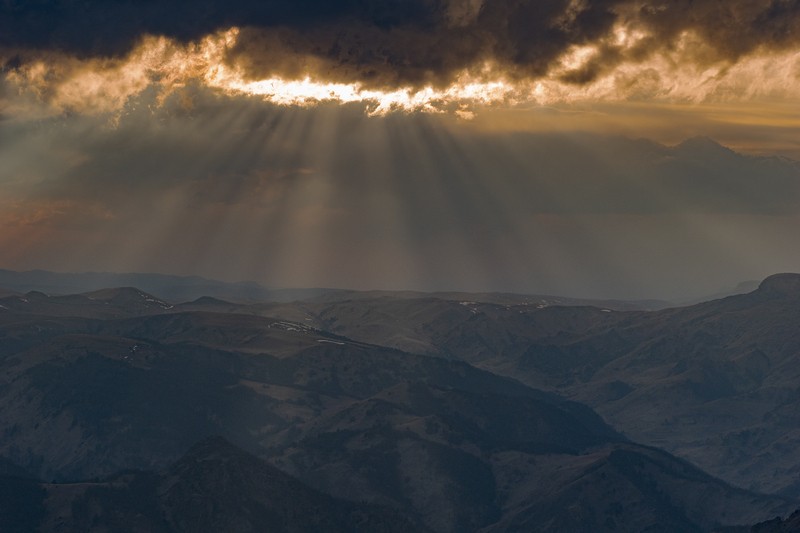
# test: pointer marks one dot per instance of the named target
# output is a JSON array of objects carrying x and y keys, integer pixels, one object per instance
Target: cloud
[
  {"x": 394, "y": 43},
  {"x": 729, "y": 29}
]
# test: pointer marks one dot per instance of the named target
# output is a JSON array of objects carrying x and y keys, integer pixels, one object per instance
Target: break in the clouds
[{"x": 411, "y": 54}]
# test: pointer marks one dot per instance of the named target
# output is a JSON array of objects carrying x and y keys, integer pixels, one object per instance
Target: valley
[{"x": 452, "y": 415}]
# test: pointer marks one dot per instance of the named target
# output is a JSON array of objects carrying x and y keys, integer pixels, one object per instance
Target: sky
[{"x": 589, "y": 148}]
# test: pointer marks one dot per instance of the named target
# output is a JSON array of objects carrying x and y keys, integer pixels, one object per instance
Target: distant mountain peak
[
  {"x": 127, "y": 295},
  {"x": 702, "y": 144},
  {"x": 209, "y": 300},
  {"x": 113, "y": 292},
  {"x": 786, "y": 284},
  {"x": 38, "y": 295},
  {"x": 700, "y": 141}
]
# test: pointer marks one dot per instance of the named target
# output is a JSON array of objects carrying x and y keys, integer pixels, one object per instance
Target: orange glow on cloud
[{"x": 67, "y": 84}]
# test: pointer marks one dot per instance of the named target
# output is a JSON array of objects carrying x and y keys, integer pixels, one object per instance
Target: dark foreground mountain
[
  {"x": 714, "y": 382},
  {"x": 215, "y": 487},
  {"x": 779, "y": 525},
  {"x": 468, "y": 462},
  {"x": 438, "y": 441}
]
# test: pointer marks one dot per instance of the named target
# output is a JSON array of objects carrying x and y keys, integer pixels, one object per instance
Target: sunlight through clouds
[
  {"x": 495, "y": 145},
  {"x": 68, "y": 84}
]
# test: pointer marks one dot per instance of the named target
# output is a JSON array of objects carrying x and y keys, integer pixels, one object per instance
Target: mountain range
[
  {"x": 714, "y": 382},
  {"x": 389, "y": 412}
]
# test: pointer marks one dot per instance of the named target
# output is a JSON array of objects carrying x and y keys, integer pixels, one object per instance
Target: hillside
[
  {"x": 214, "y": 487},
  {"x": 436, "y": 440},
  {"x": 714, "y": 382}
]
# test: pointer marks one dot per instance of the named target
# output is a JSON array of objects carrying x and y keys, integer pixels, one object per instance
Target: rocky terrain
[
  {"x": 215, "y": 487},
  {"x": 449, "y": 437},
  {"x": 715, "y": 383}
]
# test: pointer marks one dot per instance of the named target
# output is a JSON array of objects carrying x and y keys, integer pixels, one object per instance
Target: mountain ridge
[
  {"x": 434, "y": 438},
  {"x": 214, "y": 487},
  {"x": 179, "y": 289}
]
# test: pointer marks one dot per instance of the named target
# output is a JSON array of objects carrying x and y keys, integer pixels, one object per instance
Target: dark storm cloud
[
  {"x": 112, "y": 27},
  {"x": 400, "y": 42},
  {"x": 731, "y": 28}
]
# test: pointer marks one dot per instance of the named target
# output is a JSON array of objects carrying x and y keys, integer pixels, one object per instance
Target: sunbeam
[{"x": 366, "y": 158}]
